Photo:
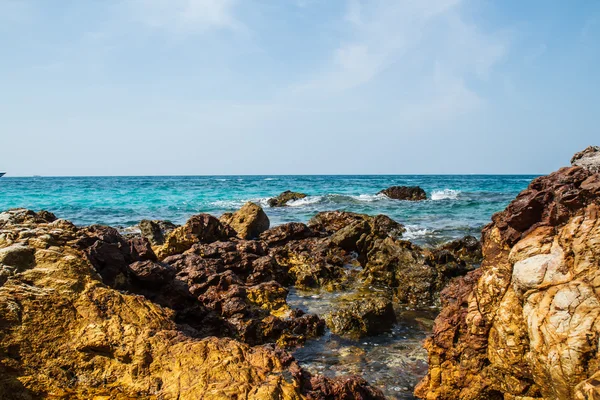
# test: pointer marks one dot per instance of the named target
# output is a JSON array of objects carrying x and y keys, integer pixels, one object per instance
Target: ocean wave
[
  {"x": 305, "y": 201},
  {"x": 414, "y": 232},
  {"x": 271, "y": 179},
  {"x": 369, "y": 197},
  {"x": 446, "y": 194}
]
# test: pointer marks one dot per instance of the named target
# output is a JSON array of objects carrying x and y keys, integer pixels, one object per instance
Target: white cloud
[
  {"x": 426, "y": 49},
  {"x": 186, "y": 15}
]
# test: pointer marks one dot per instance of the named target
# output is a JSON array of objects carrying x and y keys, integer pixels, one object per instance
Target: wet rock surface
[
  {"x": 412, "y": 193},
  {"x": 155, "y": 230},
  {"x": 284, "y": 198},
  {"x": 525, "y": 324}
]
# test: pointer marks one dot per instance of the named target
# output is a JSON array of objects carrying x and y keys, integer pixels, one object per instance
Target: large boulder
[
  {"x": 413, "y": 193},
  {"x": 285, "y": 198},
  {"x": 249, "y": 221},
  {"x": 525, "y": 325}
]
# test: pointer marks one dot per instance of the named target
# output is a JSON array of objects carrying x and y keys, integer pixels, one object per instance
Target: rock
[
  {"x": 524, "y": 325},
  {"x": 329, "y": 222},
  {"x": 249, "y": 221},
  {"x": 20, "y": 216},
  {"x": 464, "y": 251},
  {"x": 284, "y": 198},
  {"x": 155, "y": 230},
  {"x": 412, "y": 193},
  {"x": 357, "y": 316},
  {"x": 588, "y": 159},
  {"x": 285, "y": 233},
  {"x": 17, "y": 256},
  {"x": 201, "y": 228},
  {"x": 65, "y": 334}
]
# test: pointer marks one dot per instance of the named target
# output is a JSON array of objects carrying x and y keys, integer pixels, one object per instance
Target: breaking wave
[{"x": 446, "y": 194}]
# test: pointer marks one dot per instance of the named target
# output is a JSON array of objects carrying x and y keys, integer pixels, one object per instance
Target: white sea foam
[
  {"x": 271, "y": 179},
  {"x": 414, "y": 231},
  {"x": 228, "y": 203},
  {"x": 305, "y": 201},
  {"x": 446, "y": 194},
  {"x": 368, "y": 198}
]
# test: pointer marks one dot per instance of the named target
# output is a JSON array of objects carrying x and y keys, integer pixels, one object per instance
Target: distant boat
[{"x": 2, "y": 174}]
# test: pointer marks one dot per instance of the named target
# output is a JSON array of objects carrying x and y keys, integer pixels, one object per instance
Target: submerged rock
[
  {"x": 413, "y": 193},
  {"x": 285, "y": 198},
  {"x": 249, "y": 221},
  {"x": 525, "y": 325},
  {"x": 156, "y": 230},
  {"x": 361, "y": 315}
]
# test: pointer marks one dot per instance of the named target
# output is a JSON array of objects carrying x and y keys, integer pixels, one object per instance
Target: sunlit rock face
[
  {"x": 525, "y": 325},
  {"x": 67, "y": 332}
]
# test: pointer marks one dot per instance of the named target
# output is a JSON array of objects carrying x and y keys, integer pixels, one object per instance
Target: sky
[{"x": 204, "y": 87}]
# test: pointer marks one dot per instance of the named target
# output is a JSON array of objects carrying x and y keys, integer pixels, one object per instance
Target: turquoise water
[{"x": 456, "y": 205}]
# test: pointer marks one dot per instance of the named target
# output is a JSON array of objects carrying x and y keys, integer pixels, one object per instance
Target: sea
[{"x": 456, "y": 205}]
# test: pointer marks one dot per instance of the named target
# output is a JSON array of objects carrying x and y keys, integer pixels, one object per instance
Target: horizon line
[{"x": 267, "y": 175}]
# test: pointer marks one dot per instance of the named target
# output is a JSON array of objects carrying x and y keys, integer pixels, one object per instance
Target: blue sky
[{"x": 168, "y": 87}]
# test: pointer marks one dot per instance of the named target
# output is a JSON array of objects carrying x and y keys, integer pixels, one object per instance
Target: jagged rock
[
  {"x": 363, "y": 314},
  {"x": 588, "y": 159},
  {"x": 285, "y": 198},
  {"x": 201, "y": 228},
  {"x": 64, "y": 334},
  {"x": 156, "y": 230},
  {"x": 413, "y": 193},
  {"x": 20, "y": 216},
  {"x": 525, "y": 324},
  {"x": 285, "y": 233},
  {"x": 464, "y": 251},
  {"x": 249, "y": 221}
]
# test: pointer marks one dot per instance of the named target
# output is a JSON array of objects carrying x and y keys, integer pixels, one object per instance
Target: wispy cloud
[
  {"x": 427, "y": 49},
  {"x": 186, "y": 15}
]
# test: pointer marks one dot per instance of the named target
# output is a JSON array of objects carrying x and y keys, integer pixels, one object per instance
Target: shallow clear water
[
  {"x": 394, "y": 362},
  {"x": 457, "y": 205}
]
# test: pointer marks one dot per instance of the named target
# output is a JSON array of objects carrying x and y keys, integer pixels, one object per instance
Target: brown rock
[
  {"x": 285, "y": 198},
  {"x": 413, "y": 193},
  {"x": 156, "y": 230},
  {"x": 249, "y": 221},
  {"x": 201, "y": 228},
  {"x": 64, "y": 334},
  {"x": 524, "y": 325}
]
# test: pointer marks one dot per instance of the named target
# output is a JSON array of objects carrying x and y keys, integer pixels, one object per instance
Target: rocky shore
[{"x": 203, "y": 311}]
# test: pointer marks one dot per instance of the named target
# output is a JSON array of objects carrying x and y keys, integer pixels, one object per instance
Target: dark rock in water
[
  {"x": 588, "y": 159},
  {"x": 525, "y": 324},
  {"x": 155, "y": 230},
  {"x": 412, "y": 193},
  {"x": 284, "y": 198},
  {"x": 329, "y": 222},
  {"x": 466, "y": 250},
  {"x": 361, "y": 315},
  {"x": 249, "y": 221}
]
